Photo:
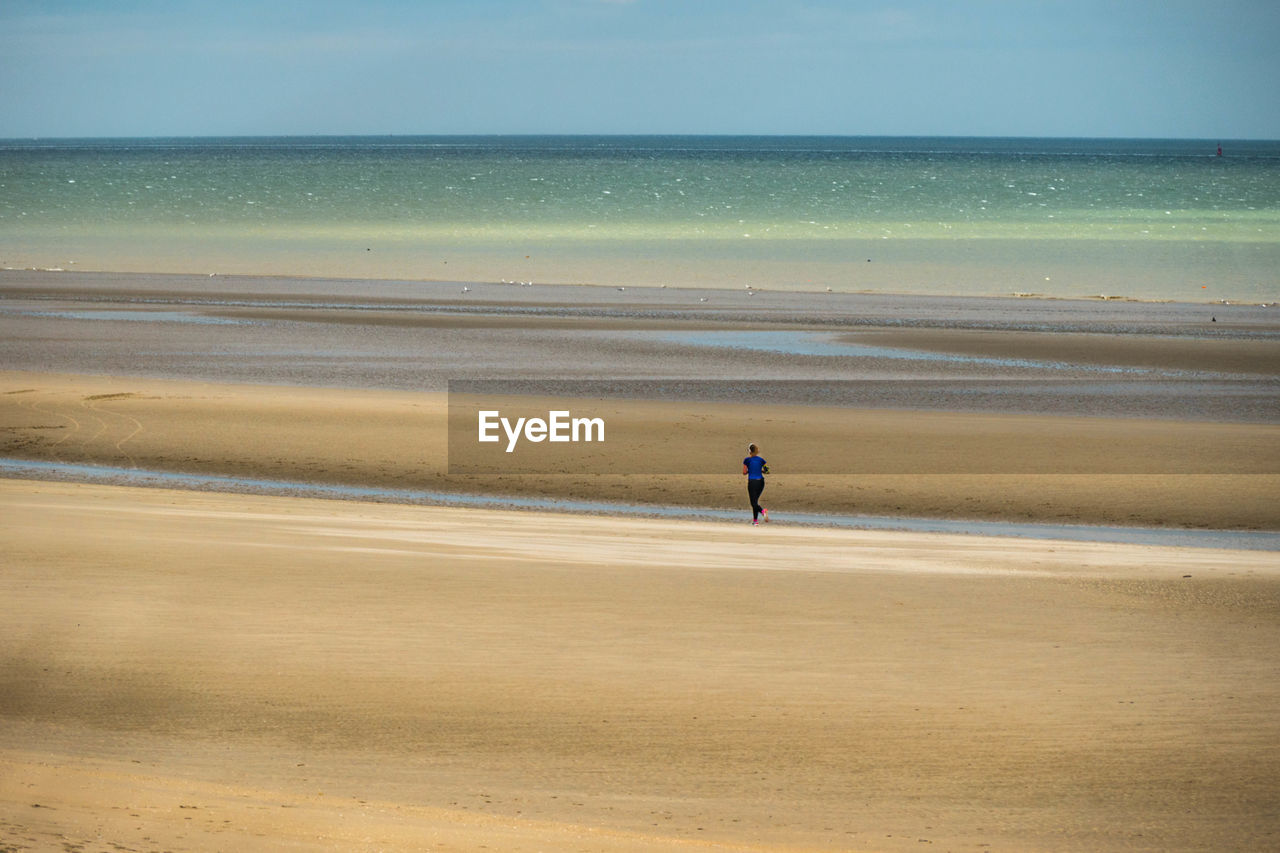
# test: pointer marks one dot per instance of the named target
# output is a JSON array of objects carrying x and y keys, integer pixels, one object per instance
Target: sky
[{"x": 1204, "y": 69}]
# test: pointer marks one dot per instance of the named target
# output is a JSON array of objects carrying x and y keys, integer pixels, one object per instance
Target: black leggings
[{"x": 754, "y": 488}]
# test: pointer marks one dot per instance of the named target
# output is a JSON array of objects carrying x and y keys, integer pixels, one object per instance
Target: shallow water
[
  {"x": 61, "y": 471},
  {"x": 831, "y": 345}
]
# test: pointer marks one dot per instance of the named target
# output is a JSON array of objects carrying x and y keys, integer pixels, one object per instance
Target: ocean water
[{"x": 1147, "y": 219}]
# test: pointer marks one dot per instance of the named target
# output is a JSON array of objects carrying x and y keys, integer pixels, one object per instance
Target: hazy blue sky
[{"x": 1160, "y": 68}]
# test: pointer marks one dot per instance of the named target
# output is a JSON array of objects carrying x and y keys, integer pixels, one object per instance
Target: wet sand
[
  {"x": 1115, "y": 359},
  {"x": 201, "y": 672},
  {"x": 931, "y": 464}
]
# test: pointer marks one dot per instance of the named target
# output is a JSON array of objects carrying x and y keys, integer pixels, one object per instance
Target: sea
[{"x": 1180, "y": 220}]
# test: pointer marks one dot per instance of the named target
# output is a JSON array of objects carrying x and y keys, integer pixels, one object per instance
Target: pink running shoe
[{"x": 765, "y": 513}]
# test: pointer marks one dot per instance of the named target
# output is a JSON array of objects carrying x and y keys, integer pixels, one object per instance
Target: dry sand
[
  {"x": 939, "y": 464},
  {"x": 188, "y": 671}
]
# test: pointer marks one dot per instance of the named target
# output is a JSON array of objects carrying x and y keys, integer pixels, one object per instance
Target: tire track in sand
[
  {"x": 37, "y": 406},
  {"x": 102, "y": 425},
  {"x": 94, "y": 402}
]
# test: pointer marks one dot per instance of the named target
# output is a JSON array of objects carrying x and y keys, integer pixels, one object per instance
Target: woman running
[{"x": 754, "y": 468}]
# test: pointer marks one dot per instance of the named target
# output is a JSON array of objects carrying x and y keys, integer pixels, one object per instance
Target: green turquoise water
[{"x": 1140, "y": 218}]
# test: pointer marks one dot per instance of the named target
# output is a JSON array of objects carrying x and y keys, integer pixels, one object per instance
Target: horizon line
[{"x": 621, "y": 135}]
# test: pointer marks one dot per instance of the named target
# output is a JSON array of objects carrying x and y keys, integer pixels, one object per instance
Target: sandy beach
[
  {"x": 185, "y": 670},
  {"x": 211, "y": 672}
]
